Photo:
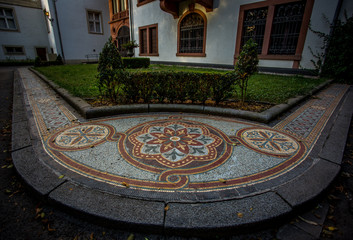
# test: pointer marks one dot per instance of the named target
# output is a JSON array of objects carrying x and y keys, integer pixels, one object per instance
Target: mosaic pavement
[{"x": 178, "y": 153}]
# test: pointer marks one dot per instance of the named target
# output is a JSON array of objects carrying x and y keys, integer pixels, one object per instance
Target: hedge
[
  {"x": 136, "y": 62},
  {"x": 175, "y": 87},
  {"x": 17, "y": 63}
]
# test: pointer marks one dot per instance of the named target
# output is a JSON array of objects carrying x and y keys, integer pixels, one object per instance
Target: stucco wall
[
  {"x": 76, "y": 40},
  {"x": 222, "y": 25},
  {"x": 32, "y": 32}
]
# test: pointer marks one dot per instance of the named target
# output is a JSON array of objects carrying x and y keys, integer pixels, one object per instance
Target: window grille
[
  {"x": 122, "y": 38},
  {"x": 286, "y": 25},
  {"x": 7, "y": 19},
  {"x": 153, "y": 40},
  {"x": 143, "y": 41},
  {"x": 192, "y": 34},
  {"x": 254, "y": 26}
]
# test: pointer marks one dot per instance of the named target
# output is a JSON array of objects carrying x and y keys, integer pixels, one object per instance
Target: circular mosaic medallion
[
  {"x": 268, "y": 141},
  {"x": 186, "y": 146},
  {"x": 81, "y": 137}
]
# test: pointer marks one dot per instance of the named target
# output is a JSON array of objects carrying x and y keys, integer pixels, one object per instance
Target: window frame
[
  {"x": 14, "y": 18},
  {"x": 88, "y": 11},
  {"x": 203, "y": 54},
  {"x": 15, "y": 53},
  {"x": 147, "y": 28},
  {"x": 271, "y": 4}
]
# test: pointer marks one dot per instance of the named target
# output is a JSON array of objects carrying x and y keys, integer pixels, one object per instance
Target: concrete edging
[{"x": 89, "y": 112}]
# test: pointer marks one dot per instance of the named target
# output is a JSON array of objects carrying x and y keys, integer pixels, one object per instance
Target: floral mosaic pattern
[
  {"x": 81, "y": 137},
  {"x": 268, "y": 141},
  {"x": 174, "y": 144}
]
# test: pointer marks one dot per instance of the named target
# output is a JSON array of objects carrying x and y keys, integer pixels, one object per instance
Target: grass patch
[{"x": 80, "y": 80}]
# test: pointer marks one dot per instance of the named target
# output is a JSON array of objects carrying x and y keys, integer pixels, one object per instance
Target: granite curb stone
[
  {"x": 338, "y": 133},
  {"x": 87, "y": 111},
  {"x": 310, "y": 184},
  {"x": 225, "y": 215},
  {"x": 101, "y": 205}
]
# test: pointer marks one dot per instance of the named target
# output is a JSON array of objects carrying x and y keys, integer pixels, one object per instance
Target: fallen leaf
[
  {"x": 340, "y": 188},
  {"x": 166, "y": 208},
  {"x": 251, "y": 209},
  {"x": 131, "y": 237},
  {"x": 42, "y": 215},
  {"x": 5, "y": 166},
  {"x": 125, "y": 184},
  {"x": 61, "y": 176},
  {"x": 330, "y": 228},
  {"x": 10, "y": 166},
  {"x": 50, "y": 229},
  {"x": 240, "y": 215},
  {"x": 308, "y": 221},
  {"x": 222, "y": 180},
  {"x": 91, "y": 236}
]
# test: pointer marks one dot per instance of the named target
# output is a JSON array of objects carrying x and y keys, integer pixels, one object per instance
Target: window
[
  {"x": 119, "y": 6},
  {"x": 278, "y": 29},
  {"x": 13, "y": 50},
  {"x": 122, "y": 38},
  {"x": 94, "y": 22},
  {"x": 192, "y": 34},
  {"x": 148, "y": 40},
  {"x": 7, "y": 19}
]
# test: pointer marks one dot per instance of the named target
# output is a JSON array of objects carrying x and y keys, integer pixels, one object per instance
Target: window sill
[
  {"x": 149, "y": 54},
  {"x": 191, "y": 54},
  {"x": 96, "y": 33},
  {"x": 277, "y": 57}
]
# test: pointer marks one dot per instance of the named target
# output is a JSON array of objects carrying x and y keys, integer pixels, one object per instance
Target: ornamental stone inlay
[
  {"x": 268, "y": 141},
  {"x": 171, "y": 144}
]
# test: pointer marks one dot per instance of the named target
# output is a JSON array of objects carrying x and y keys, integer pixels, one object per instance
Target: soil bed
[{"x": 247, "y": 106}]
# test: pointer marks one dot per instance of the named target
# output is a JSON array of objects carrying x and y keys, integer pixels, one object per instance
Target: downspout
[
  {"x": 131, "y": 20},
  {"x": 57, "y": 23}
]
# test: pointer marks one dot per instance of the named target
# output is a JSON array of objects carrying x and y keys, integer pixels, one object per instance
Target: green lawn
[{"x": 80, "y": 80}]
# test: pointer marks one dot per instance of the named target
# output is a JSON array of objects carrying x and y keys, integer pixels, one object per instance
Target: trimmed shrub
[
  {"x": 28, "y": 62},
  {"x": 136, "y": 62},
  {"x": 178, "y": 86},
  {"x": 110, "y": 72},
  {"x": 246, "y": 66}
]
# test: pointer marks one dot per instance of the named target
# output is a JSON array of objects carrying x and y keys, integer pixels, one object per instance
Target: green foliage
[
  {"x": 59, "y": 60},
  {"x": 110, "y": 71},
  {"x": 136, "y": 62},
  {"x": 177, "y": 86},
  {"x": 339, "y": 56},
  {"x": 335, "y": 60},
  {"x": 37, "y": 62},
  {"x": 130, "y": 45},
  {"x": 12, "y": 62},
  {"x": 246, "y": 66}
]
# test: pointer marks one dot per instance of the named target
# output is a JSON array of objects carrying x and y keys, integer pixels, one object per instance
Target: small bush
[
  {"x": 136, "y": 62},
  {"x": 110, "y": 71},
  {"x": 246, "y": 66}
]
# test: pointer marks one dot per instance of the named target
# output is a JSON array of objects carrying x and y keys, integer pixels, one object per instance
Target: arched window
[
  {"x": 192, "y": 34},
  {"x": 122, "y": 38}
]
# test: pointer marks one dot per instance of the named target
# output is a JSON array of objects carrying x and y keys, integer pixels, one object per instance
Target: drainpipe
[
  {"x": 57, "y": 23},
  {"x": 131, "y": 20}
]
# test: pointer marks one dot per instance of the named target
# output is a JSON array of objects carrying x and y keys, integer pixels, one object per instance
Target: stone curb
[
  {"x": 89, "y": 112},
  {"x": 195, "y": 218}
]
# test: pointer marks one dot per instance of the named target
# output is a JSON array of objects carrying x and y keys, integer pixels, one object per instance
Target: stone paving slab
[{"x": 178, "y": 172}]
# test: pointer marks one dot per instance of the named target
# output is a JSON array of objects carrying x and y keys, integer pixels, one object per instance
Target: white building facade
[
  {"x": 211, "y": 32},
  {"x": 23, "y": 31},
  {"x": 76, "y": 30}
]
